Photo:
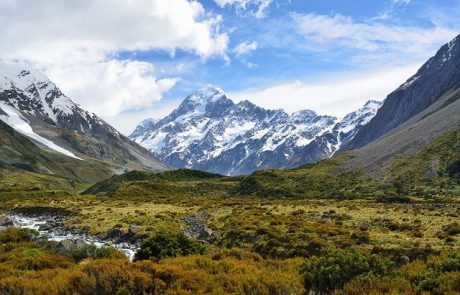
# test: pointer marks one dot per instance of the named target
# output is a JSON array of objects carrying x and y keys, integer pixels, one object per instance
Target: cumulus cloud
[
  {"x": 258, "y": 8},
  {"x": 76, "y": 43},
  {"x": 334, "y": 95},
  {"x": 113, "y": 86},
  {"x": 245, "y": 48}
]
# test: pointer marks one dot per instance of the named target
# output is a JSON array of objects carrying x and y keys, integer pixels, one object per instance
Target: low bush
[
  {"x": 92, "y": 252},
  {"x": 333, "y": 269},
  {"x": 165, "y": 244},
  {"x": 17, "y": 235}
]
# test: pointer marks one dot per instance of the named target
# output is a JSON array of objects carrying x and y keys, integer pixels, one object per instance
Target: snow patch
[{"x": 15, "y": 120}]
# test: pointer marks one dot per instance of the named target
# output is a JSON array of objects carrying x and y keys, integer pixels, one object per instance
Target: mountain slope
[
  {"x": 23, "y": 165},
  {"x": 34, "y": 106},
  {"x": 422, "y": 130},
  {"x": 210, "y": 132},
  {"x": 437, "y": 76}
]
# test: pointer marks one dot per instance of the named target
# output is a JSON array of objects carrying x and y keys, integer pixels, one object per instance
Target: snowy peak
[
  {"x": 208, "y": 101},
  {"x": 309, "y": 117},
  {"x": 36, "y": 93},
  {"x": 210, "y": 132},
  {"x": 34, "y": 106},
  {"x": 358, "y": 118},
  {"x": 144, "y": 126},
  {"x": 206, "y": 95}
]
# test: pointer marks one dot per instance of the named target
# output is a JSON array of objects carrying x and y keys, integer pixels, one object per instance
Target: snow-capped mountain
[
  {"x": 32, "y": 93},
  {"x": 144, "y": 127},
  {"x": 35, "y": 107},
  {"x": 210, "y": 132},
  {"x": 346, "y": 129}
]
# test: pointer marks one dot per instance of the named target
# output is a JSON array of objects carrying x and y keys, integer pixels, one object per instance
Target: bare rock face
[
  {"x": 198, "y": 230},
  {"x": 438, "y": 75}
]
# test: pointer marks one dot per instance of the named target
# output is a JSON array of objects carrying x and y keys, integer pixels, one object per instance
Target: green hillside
[{"x": 431, "y": 171}]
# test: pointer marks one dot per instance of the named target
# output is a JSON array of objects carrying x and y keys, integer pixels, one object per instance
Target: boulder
[
  {"x": 6, "y": 221},
  {"x": 71, "y": 244},
  {"x": 114, "y": 233},
  {"x": 133, "y": 230}
]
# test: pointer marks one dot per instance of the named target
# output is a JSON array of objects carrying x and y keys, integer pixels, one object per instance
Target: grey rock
[
  {"x": 6, "y": 221},
  {"x": 114, "y": 233},
  {"x": 44, "y": 227},
  {"x": 198, "y": 230},
  {"x": 133, "y": 230},
  {"x": 71, "y": 244}
]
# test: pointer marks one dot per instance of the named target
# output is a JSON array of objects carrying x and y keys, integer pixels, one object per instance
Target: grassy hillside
[
  {"x": 408, "y": 139},
  {"x": 433, "y": 170},
  {"x": 170, "y": 183}
]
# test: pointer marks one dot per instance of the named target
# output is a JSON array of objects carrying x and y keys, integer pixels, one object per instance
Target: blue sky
[{"x": 329, "y": 56}]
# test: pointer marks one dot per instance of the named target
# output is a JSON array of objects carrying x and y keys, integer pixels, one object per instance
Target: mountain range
[
  {"x": 34, "y": 107},
  {"x": 210, "y": 132}
]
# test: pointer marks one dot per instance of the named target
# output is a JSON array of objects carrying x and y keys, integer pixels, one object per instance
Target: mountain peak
[
  {"x": 144, "y": 126},
  {"x": 305, "y": 114},
  {"x": 206, "y": 94},
  {"x": 372, "y": 104},
  {"x": 454, "y": 42}
]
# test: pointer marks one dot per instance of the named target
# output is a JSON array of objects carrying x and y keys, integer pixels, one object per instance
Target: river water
[{"x": 45, "y": 228}]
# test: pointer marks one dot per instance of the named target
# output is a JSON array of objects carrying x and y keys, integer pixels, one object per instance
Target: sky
[{"x": 127, "y": 60}]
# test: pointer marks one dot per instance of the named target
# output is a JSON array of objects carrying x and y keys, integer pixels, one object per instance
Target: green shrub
[
  {"x": 333, "y": 269},
  {"x": 168, "y": 244},
  {"x": 393, "y": 199},
  {"x": 17, "y": 235},
  {"x": 452, "y": 229},
  {"x": 93, "y": 252}
]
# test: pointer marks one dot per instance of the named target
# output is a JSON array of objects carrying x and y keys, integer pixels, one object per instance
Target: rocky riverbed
[{"x": 53, "y": 228}]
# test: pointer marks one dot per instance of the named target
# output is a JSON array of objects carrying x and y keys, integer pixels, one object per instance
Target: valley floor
[{"x": 247, "y": 246}]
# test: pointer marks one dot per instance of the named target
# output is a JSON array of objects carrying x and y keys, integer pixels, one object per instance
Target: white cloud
[
  {"x": 245, "y": 48},
  {"x": 107, "y": 26},
  {"x": 74, "y": 43},
  {"x": 371, "y": 40},
  {"x": 334, "y": 95},
  {"x": 257, "y": 8},
  {"x": 113, "y": 86}
]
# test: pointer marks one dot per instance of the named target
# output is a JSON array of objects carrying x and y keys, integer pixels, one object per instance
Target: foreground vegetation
[
  {"x": 318, "y": 229},
  {"x": 31, "y": 266}
]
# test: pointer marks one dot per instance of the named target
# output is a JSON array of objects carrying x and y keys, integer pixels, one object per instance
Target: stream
[{"x": 53, "y": 229}]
